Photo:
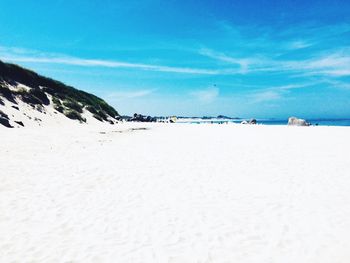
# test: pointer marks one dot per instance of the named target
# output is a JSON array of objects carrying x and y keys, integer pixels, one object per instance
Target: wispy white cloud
[
  {"x": 266, "y": 95},
  {"x": 206, "y": 95},
  {"x": 132, "y": 94},
  {"x": 334, "y": 64},
  {"x": 298, "y": 44},
  {"x": 242, "y": 63},
  {"x": 293, "y": 86},
  {"x": 265, "y": 49},
  {"x": 109, "y": 64},
  {"x": 23, "y": 55},
  {"x": 315, "y": 32},
  {"x": 338, "y": 84},
  {"x": 276, "y": 92},
  {"x": 276, "y": 40}
]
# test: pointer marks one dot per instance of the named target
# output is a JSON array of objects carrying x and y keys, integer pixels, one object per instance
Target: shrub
[
  {"x": 92, "y": 109},
  {"x": 98, "y": 117},
  {"x": 74, "y": 115},
  {"x": 98, "y": 114},
  {"x": 7, "y": 94},
  {"x": 102, "y": 115},
  {"x": 108, "y": 109},
  {"x": 56, "y": 101},
  {"x": 21, "y": 91},
  {"x": 4, "y": 115},
  {"x": 59, "y": 108},
  {"x": 34, "y": 96},
  {"x": 74, "y": 105},
  {"x": 5, "y": 122},
  {"x": 29, "y": 98},
  {"x": 38, "y": 93}
]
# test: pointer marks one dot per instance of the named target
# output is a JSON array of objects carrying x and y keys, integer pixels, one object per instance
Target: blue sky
[{"x": 238, "y": 58}]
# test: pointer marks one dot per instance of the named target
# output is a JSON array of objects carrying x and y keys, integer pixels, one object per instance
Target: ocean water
[{"x": 319, "y": 122}]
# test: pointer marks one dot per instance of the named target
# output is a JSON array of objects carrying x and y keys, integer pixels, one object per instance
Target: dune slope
[{"x": 27, "y": 98}]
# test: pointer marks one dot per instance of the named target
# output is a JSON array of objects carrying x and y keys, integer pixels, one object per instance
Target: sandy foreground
[{"x": 175, "y": 193}]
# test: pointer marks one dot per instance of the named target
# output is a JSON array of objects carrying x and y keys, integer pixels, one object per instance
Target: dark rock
[
  {"x": 141, "y": 118},
  {"x": 15, "y": 107},
  {"x": 252, "y": 121},
  {"x": 227, "y": 117},
  {"x": 125, "y": 118},
  {"x": 223, "y": 117}
]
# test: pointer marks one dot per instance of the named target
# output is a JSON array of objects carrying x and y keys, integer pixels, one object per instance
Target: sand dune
[
  {"x": 175, "y": 193},
  {"x": 30, "y": 116}
]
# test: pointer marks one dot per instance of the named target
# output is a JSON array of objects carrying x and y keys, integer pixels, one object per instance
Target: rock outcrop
[
  {"x": 294, "y": 121},
  {"x": 142, "y": 118},
  {"x": 251, "y": 121}
]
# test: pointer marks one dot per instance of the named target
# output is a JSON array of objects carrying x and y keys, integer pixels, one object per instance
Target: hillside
[{"x": 27, "y": 97}]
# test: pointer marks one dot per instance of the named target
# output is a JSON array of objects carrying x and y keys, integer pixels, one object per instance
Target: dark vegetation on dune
[
  {"x": 65, "y": 99},
  {"x": 4, "y": 120}
]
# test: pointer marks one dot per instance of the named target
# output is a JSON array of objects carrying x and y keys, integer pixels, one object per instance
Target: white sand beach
[{"x": 175, "y": 193}]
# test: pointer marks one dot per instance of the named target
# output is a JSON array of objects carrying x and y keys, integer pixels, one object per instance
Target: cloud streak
[
  {"x": 109, "y": 64},
  {"x": 277, "y": 92},
  {"x": 336, "y": 64},
  {"x": 130, "y": 94},
  {"x": 206, "y": 95},
  {"x": 242, "y": 63}
]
